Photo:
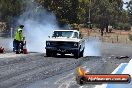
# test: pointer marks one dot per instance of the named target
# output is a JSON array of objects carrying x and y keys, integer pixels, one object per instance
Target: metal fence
[
  {"x": 9, "y": 34},
  {"x": 6, "y": 40},
  {"x": 119, "y": 37},
  {"x": 112, "y": 39}
]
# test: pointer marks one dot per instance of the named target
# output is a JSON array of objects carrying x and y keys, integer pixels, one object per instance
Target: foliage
[
  {"x": 124, "y": 26},
  {"x": 129, "y": 8},
  {"x": 64, "y": 9},
  {"x": 9, "y": 8},
  {"x": 102, "y": 12}
]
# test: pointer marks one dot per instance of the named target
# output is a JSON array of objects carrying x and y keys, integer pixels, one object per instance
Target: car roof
[{"x": 67, "y": 30}]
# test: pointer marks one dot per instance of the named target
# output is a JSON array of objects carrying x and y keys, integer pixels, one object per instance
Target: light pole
[{"x": 89, "y": 10}]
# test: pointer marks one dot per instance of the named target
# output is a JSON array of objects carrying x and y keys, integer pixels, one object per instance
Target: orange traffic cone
[{"x": 25, "y": 48}]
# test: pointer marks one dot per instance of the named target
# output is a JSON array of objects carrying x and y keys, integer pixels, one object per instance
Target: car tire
[
  {"x": 81, "y": 53},
  {"x": 77, "y": 54},
  {"x": 48, "y": 53}
]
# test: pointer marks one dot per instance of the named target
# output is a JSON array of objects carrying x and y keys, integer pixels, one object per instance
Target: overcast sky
[
  {"x": 126, "y": 0},
  {"x": 125, "y": 5}
]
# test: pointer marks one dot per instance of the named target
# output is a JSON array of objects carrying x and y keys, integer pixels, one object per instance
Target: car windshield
[{"x": 62, "y": 34}]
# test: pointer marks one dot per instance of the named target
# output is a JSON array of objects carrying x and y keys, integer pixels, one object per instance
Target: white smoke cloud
[
  {"x": 39, "y": 24},
  {"x": 92, "y": 47}
]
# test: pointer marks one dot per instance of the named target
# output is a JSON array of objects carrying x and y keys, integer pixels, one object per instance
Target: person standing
[{"x": 19, "y": 39}]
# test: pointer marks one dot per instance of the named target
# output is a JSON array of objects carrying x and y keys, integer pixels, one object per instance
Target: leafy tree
[
  {"x": 102, "y": 12},
  {"x": 129, "y": 7},
  {"x": 64, "y": 9},
  {"x": 9, "y": 8}
]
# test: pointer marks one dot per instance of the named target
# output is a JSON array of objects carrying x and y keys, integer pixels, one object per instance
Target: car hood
[{"x": 64, "y": 39}]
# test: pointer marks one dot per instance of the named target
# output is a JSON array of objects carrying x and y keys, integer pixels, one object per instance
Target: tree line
[{"x": 99, "y": 13}]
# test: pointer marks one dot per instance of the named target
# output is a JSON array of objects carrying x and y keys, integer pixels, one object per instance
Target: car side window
[{"x": 75, "y": 35}]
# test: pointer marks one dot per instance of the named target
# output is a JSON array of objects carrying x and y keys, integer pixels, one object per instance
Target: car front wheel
[
  {"x": 48, "y": 53},
  {"x": 77, "y": 54},
  {"x": 81, "y": 53}
]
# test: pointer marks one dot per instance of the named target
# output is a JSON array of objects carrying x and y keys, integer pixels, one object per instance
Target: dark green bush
[
  {"x": 127, "y": 27},
  {"x": 124, "y": 26}
]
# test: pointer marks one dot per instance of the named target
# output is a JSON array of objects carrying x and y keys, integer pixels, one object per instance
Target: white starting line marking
[
  {"x": 118, "y": 68},
  {"x": 114, "y": 72}
]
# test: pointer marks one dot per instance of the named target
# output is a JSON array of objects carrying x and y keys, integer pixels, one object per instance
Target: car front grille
[{"x": 62, "y": 44}]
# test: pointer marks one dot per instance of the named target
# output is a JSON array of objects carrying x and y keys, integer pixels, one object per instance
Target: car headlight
[
  {"x": 48, "y": 43},
  {"x": 75, "y": 44}
]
